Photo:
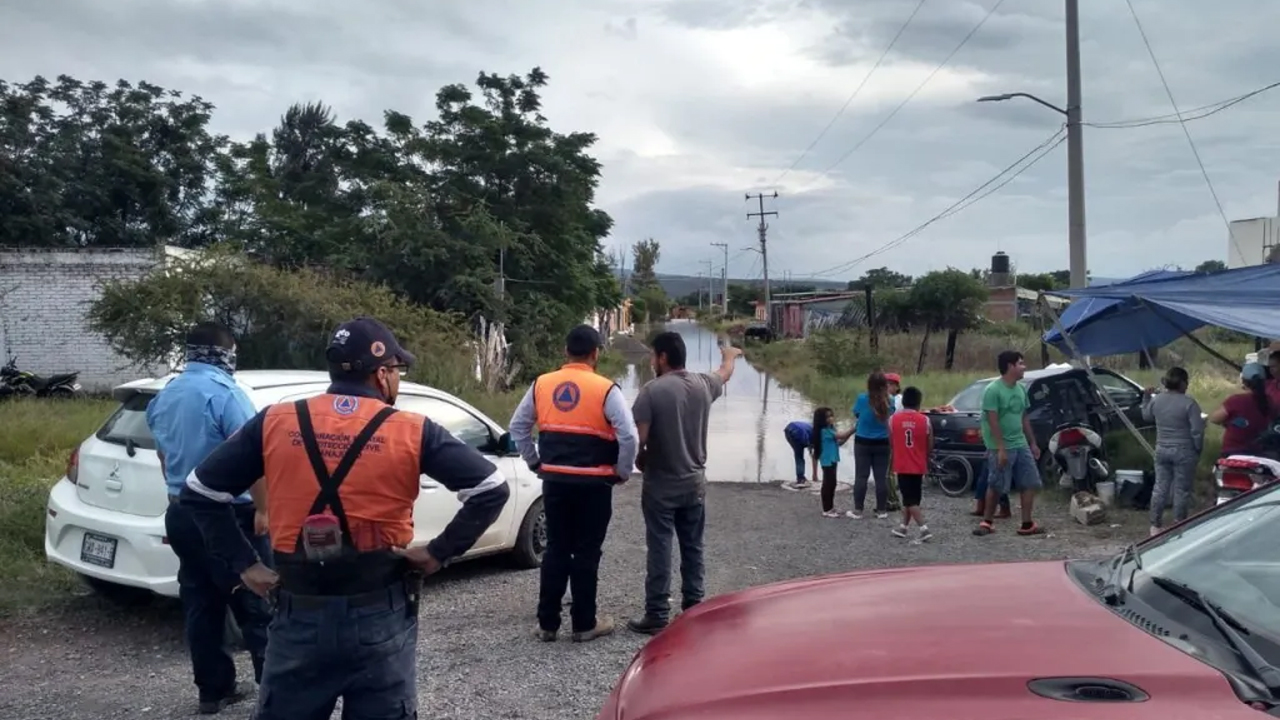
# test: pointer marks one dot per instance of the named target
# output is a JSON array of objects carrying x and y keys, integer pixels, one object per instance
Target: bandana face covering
[{"x": 219, "y": 357}]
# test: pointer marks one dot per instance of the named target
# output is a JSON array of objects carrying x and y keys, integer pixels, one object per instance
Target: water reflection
[{"x": 744, "y": 435}]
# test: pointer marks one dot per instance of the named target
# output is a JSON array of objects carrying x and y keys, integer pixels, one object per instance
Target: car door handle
[
  {"x": 428, "y": 484},
  {"x": 115, "y": 485}
]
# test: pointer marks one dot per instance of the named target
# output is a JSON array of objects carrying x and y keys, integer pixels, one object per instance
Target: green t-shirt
[{"x": 1009, "y": 404}]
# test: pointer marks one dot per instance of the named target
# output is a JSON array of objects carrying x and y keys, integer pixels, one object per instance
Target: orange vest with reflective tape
[
  {"x": 574, "y": 436},
  {"x": 379, "y": 492}
]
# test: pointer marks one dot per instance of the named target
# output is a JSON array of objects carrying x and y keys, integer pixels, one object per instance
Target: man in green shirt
[{"x": 1012, "y": 452}]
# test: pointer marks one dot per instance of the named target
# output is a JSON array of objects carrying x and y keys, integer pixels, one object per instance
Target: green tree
[
  {"x": 650, "y": 301},
  {"x": 1040, "y": 282},
  {"x": 948, "y": 300},
  {"x": 880, "y": 278},
  {"x": 1211, "y": 266},
  {"x": 95, "y": 165}
]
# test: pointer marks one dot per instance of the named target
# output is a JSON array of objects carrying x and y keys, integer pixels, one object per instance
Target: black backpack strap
[{"x": 329, "y": 484}]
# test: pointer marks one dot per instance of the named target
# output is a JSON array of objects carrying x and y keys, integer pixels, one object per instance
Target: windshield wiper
[
  {"x": 1226, "y": 625},
  {"x": 1112, "y": 592}
]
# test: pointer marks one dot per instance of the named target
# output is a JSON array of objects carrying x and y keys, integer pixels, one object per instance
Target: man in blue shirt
[
  {"x": 799, "y": 436},
  {"x": 190, "y": 417}
]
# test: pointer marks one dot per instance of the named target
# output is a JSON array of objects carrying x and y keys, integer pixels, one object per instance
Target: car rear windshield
[
  {"x": 970, "y": 398},
  {"x": 129, "y": 423}
]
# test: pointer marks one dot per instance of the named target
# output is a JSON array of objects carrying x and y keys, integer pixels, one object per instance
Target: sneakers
[
  {"x": 831, "y": 514},
  {"x": 881, "y": 515},
  {"x": 237, "y": 693},
  {"x": 854, "y": 514},
  {"x": 796, "y": 486},
  {"x": 900, "y": 531},
  {"x": 545, "y": 635},
  {"x": 647, "y": 625},
  {"x": 604, "y": 626},
  {"x": 925, "y": 534}
]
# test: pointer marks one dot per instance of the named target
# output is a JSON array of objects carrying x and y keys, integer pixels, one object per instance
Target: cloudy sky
[{"x": 697, "y": 102}]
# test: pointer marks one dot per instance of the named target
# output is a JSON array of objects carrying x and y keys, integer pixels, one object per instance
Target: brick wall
[{"x": 44, "y": 296}]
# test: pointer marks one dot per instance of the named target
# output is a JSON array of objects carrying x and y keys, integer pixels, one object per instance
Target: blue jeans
[
  {"x": 980, "y": 485},
  {"x": 1019, "y": 474},
  {"x": 798, "y": 447},
  {"x": 321, "y": 649},
  {"x": 205, "y": 586},
  {"x": 683, "y": 519}
]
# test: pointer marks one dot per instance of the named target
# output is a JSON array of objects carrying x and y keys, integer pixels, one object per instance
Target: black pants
[
  {"x": 829, "y": 488},
  {"x": 578, "y": 514},
  {"x": 872, "y": 459},
  {"x": 205, "y": 588}
]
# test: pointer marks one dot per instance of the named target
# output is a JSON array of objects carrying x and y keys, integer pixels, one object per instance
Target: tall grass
[{"x": 36, "y": 438}]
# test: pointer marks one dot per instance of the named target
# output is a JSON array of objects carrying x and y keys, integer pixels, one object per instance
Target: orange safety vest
[
  {"x": 574, "y": 436},
  {"x": 377, "y": 493}
]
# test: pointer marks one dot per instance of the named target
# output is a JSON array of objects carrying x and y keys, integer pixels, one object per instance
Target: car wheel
[
  {"x": 531, "y": 543},
  {"x": 118, "y": 594}
]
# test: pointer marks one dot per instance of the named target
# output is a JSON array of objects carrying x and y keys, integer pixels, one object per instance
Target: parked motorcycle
[
  {"x": 19, "y": 383},
  {"x": 1076, "y": 452},
  {"x": 1236, "y": 474}
]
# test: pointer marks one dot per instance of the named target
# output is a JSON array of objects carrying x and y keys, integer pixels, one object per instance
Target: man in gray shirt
[{"x": 671, "y": 415}]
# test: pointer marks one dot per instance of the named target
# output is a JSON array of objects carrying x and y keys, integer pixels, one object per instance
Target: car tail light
[
  {"x": 1070, "y": 436},
  {"x": 73, "y": 466},
  {"x": 972, "y": 436}
]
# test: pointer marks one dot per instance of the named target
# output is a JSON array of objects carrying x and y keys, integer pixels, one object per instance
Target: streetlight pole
[{"x": 1078, "y": 262}]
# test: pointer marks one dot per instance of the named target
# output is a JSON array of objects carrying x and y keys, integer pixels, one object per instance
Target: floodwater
[{"x": 744, "y": 436}]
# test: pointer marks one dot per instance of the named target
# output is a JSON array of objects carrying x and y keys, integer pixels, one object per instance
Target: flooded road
[{"x": 744, "y": 440}]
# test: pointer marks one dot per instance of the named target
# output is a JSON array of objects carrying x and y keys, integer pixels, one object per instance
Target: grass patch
[{"x": 36, "y": 437}]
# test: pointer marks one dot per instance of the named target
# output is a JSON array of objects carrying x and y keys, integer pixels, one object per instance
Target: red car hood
[{"x": 955, "y": 642}]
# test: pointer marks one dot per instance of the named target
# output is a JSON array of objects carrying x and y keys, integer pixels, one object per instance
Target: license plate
[{"x": 98, "y": 550}]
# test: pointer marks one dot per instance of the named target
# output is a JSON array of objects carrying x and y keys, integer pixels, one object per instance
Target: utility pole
[
  {"x": 763, "y": 231},
  {"x": 699, "y": 286},
  {"x": 1075, "y": 152},
  {"x": 711, "y": 285},
  {"x": 724, "y": 278},
  {"x": 1078, "y": 260}
]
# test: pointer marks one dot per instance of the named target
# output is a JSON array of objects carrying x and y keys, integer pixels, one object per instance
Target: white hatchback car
[{"x": 105, "y": 519}]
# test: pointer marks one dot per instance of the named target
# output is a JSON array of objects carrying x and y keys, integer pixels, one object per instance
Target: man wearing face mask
[
  {"x": 340, "y": 476},
  {"x": 190, "y": 417}
]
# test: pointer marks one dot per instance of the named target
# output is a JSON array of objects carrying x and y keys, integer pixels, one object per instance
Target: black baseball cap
[
  {"x": 582, "y": 341},
  {"x": 362, "y": 345}
]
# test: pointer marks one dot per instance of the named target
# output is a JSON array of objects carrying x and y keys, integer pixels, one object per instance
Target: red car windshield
[{"x": 1228, "y": 555}]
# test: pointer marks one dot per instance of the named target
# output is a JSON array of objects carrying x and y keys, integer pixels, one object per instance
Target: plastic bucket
[{"x": 1107, "y": 492}]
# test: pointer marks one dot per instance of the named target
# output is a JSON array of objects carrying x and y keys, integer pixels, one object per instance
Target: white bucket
[
  {"x": 1123, "y": 477},
  {"x": 1107, "y": 492}
]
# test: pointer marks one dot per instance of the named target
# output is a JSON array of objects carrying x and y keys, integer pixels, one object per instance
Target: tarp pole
[
  {"x": 1199, "y": 343},
  {"x": 1106, "y": 399}
]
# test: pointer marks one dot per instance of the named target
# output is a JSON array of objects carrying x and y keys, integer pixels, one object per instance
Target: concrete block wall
[{"x": 44, "y": 296}]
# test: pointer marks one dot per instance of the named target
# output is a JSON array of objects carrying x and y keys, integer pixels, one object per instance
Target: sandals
[{"x": 1035, "y": 529}]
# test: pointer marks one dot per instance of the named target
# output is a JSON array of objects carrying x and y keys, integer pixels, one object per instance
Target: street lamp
[{"x": 1075, "y": 146}]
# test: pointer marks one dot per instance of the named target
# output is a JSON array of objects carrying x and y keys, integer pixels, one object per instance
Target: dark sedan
[{"x": 1059, "y": 394}]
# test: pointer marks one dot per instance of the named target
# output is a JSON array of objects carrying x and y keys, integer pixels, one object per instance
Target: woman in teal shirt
[{"x": 872, "y": 410}]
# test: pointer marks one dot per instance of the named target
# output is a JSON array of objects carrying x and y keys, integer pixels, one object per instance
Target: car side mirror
[{"x": 506, "y": 446}]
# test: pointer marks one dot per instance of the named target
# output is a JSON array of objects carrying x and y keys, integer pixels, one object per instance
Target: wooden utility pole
[
  {"x": 763, "y": 231},
  {"x": 724, "y": 277}
]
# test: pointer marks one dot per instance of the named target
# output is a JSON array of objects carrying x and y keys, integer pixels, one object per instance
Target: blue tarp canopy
[{"x": 1155, "y": 308}]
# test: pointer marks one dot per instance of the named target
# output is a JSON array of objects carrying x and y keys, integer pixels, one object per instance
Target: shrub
[
  {"x": 840, "y": 354},
  {"x": 282, "y": 319}
]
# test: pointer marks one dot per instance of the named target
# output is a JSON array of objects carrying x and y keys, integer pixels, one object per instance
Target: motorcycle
[
  {"x": 1237, "y": 474},
  {"x": 1076, "y": 452},
  {"x": 19, "y": 383}
]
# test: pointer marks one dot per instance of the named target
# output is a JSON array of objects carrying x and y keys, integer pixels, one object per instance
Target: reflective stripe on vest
[
  {"x": 574, "y": 436},
  {"x": 379, "y": 491}
]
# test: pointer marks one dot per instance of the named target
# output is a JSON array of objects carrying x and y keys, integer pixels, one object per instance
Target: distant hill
[{"x": 680, "y": 285}]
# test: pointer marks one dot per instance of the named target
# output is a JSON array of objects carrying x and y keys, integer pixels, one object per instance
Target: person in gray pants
[
  {"x": 671, "y": 415},
  {"x": 1179, "y": 440}
]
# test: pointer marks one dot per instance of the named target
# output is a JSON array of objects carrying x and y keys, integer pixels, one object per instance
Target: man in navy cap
[{"x": 341, "y": 475}]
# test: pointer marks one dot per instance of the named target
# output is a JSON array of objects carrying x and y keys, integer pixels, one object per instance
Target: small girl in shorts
[{"x": 826, "y": 453}]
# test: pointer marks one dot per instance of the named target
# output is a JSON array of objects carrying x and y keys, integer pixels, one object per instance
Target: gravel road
[{"x": 477, "y": 655}]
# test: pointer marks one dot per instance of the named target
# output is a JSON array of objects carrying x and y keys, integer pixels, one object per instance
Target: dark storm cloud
[{"x": 1147, "y": 200}]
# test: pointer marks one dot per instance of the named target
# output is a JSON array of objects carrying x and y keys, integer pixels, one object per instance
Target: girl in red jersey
[{"x": 912, "y": 441}]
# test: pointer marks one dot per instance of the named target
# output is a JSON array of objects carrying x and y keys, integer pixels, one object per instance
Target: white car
[{"x": 105, "y": 518}]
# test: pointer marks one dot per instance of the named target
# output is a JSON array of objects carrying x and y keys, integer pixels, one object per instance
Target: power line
[
  {"x": 916, "y": 91},
  {"x": 854, "y": 94},
  {"x": 995, "y": 183},
  {"x": 1198, "y": 113},
  {"x": 1182, "y": 123}
]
